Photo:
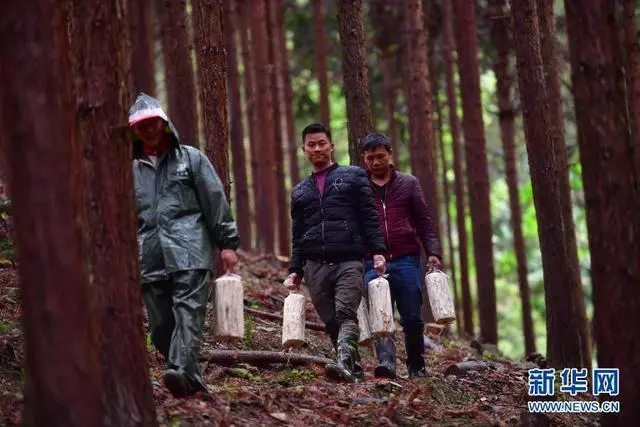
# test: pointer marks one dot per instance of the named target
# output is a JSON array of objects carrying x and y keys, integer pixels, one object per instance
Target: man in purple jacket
[{"x": 405, "y": 219}]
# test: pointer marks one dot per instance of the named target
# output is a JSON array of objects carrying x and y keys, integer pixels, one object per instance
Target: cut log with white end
[
  {"x": 440, "y": 297},
  {"x": 380, "y": 308},
  {"x": 228, "y": 313},
  {"x": 363, "y": 324},
  {"x": 293, "y": 321}
]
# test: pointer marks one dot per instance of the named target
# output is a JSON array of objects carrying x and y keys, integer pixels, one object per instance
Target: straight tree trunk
[
  {"x": 142, "y": 42},
  {"x": 355, "y": 75},
  {"x": 477, "y": 167},
  {"x": 239, "y": 157},
  {"x": 44, "y": 169},
  {"x": 250, "y": 99},
  {"x": 564, "y": 341},
  {"x": 419, "y": 107},
  {"x": 548, "y": 50},
  {"x": 284, "y": 226},
  {"x": 101, "y": 63},
  {"x": 179, "y": 75},
  {"x": 501, "y": 39},
  {"x": 448, "y": 46},
  {"x": 611, "y": 192},
  {"x": 292, "y": 145},
  {"x": 212, "y": 79},
  {"x": 265, "y": 111},
  {"x": 320, "y": 50},
  {"x": 632, "y": 71}
]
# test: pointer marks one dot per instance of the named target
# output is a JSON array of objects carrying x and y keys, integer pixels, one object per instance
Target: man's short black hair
[
  {"x": 375, "y": 140},
  {"x": 316, "y": 128}
]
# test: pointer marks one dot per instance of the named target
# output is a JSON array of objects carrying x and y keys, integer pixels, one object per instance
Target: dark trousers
[
  {"x": 176, "y": 310},
  {"x": 405, "y": 282},
  {"x": 336, "y": 291}
]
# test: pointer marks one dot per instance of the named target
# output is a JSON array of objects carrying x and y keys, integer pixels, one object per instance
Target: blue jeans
[{"x": 405, "y": 281}]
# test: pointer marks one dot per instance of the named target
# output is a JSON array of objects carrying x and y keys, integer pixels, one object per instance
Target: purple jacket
[{"x": 405, "y": 218}]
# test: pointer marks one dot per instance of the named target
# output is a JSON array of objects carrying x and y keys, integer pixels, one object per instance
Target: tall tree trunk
[
  {"x": 277, "y": 85},
  {"x": 101, "y": 64},
  {"x": 632, "y": 72},
  {"x": 564, "y": 342},
  {"x": 419, "y": 107},
  {"x": 252, "y": 120},
  {"x": 265, "y": 111},
  {"x": 239, "y": 157},
  {"x": 611, "y": 192},
  {"x": 445, "y": 189},
  {"x": 477, "y": 167},
  {"x": 320, "y": 50},
  {"x": 179, "y": 76},
  {"x": 448, "y": 41},
  {"x": 212, "y": 87},
  {"x": 44, "y": 161},
  {"x": 292, "y": 145},
  {"x": 501, "y": 39},
  {"x": 142, "y": 42},
  {"x": 355, "y": 76},
  {"x": 548, "y": 50}
]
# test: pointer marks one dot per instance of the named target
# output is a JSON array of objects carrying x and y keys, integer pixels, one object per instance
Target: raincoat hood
[{"x": 147, "y": 107}]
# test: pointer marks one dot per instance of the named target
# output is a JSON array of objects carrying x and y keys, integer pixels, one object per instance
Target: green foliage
[
  {"x": 248, "y": 330},
  {"x": 291, "y": 377}
]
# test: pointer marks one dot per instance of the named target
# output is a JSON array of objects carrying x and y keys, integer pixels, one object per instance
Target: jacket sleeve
[
  {"x": 368, "y": 215},
  {"x": 423, "y": 221},
  {"x": 297, "y": 231},
  {"x": 214, "y": 204}
]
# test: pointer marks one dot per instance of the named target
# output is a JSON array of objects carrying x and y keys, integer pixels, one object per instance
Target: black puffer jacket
[{"x": 337, "y": 226}]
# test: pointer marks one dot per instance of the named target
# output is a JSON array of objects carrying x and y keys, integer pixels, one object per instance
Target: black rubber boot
[
  {"x": 386, "y": 352},
  {"x": 342, "y": 369},
  {"x": 414, "y": 342},
  {"x": 357, "y": 372}
]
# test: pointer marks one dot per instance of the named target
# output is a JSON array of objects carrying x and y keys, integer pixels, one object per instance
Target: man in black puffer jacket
[{"x": 334, "y": 221}]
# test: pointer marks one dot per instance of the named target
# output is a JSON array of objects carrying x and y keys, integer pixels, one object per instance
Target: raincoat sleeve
[
  {"x": 423, "y": 221},
  {"x": 214, "y": 204},
  {"x": 297, "y": 231},
  {"x": 368, "y": 215}
]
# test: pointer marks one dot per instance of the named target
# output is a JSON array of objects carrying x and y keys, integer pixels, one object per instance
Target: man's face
[
  {"x": 317, "y": 147},
  {"x": 150, "y": 130},
  {"x": 377, "y": 161}
]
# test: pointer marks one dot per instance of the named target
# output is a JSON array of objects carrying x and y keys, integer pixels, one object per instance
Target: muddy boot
[
  {"x": 342, "y": 369},
  {"x": 357, "y": 372},
  {"x": 414, "y": 342},
  {"x": 386, "y": 352}
]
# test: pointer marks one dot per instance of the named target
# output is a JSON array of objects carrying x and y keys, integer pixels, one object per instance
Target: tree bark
[
  {"x": 355, "y": 76},
  {"x": 252, "y": 119},
  {"x": 564, "y": 342},
  {"x": 179, "y": 76},
  {"x": 477, "y": 167},
  {"x": 277, "y": 85},
  {"x": 44, "y": 170},
  {"x": 548, "y": 50},
  {"x": 265, "y": 111},
  {"x": 448, "y": 46},
  {"x": 502, "y": 40},
  {"x": 260, "y": 358},
  {"x": 238, "y": 157},
  {"x": 143, "y": 65},
  {"x": 422, "y": 144},
  {"x": 632, "y": 72},
  {"x": 320, "y": 50},
  {"x": 101, "y": 64},
  {"x": 212, "y": 87},
  {"x": 611, "y": 192}
]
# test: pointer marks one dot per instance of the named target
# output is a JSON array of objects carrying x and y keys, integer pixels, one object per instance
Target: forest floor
[{"x": 278, "y": 394}]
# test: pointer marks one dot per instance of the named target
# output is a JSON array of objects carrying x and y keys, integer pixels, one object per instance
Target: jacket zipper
[
  {"x": 386, "y": 227},
  {"x": 321, "y": 213}
]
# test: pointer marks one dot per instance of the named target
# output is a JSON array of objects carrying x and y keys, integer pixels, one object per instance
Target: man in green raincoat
[{"x": 182, "y": 214}]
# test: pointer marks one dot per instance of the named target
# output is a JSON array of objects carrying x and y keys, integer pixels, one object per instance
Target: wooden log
[
  {"x": 258, "y": 358},
  {"x": 293, "y": 321},
  {"x": 228, "y": 294},
  {"x": 363, "y": 324},
  {"x": 440, "y": 297},
  {"x": 380, "y": 309},
  {"x": 266, "y": 315}
]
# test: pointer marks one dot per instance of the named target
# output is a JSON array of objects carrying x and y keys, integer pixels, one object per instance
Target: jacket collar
[{"x": 327, "y": 170}]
